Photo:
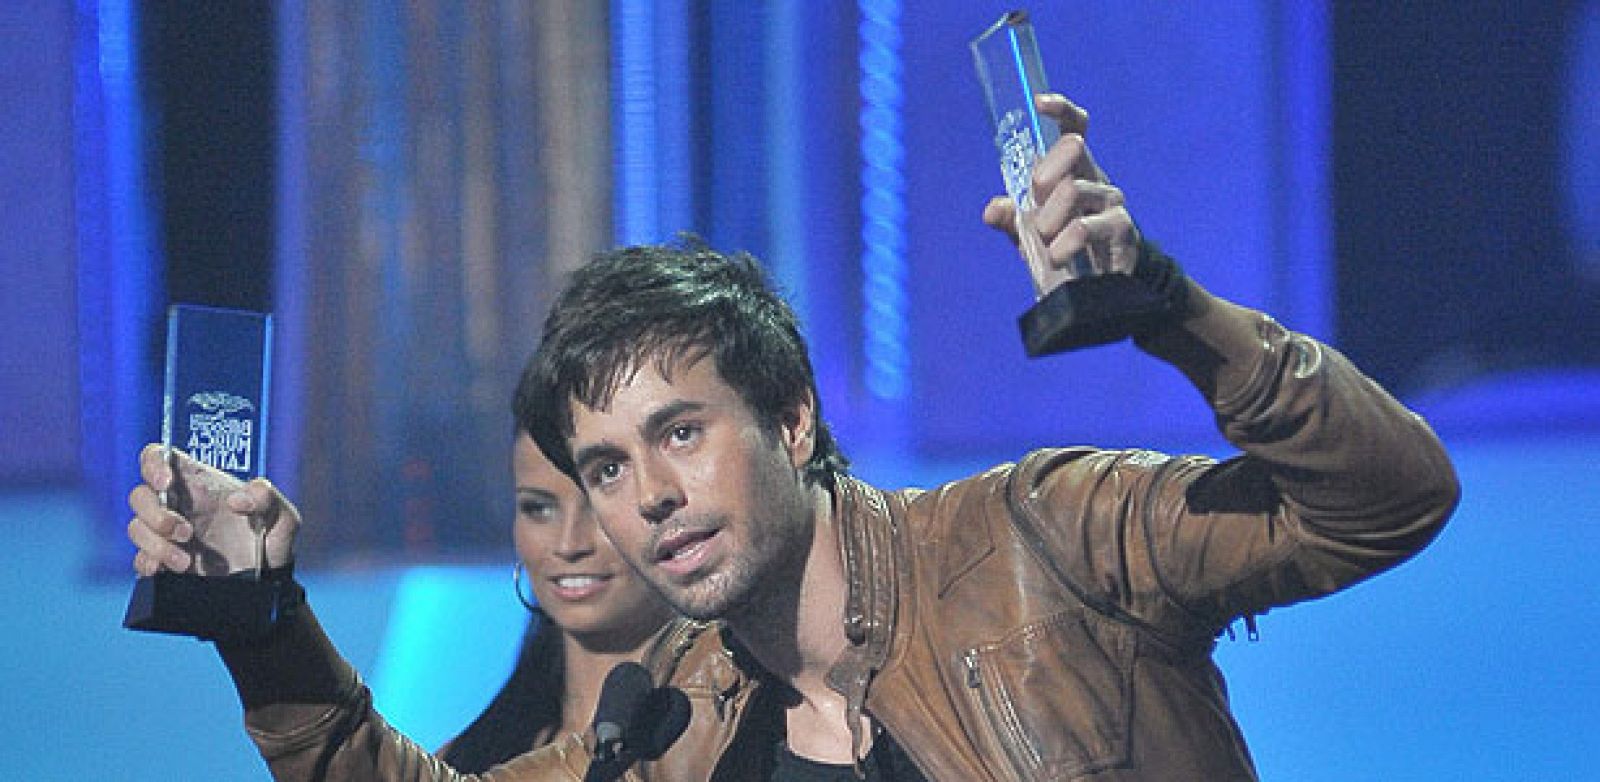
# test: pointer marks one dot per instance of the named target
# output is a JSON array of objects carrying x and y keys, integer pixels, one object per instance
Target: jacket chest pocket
[{"x": 1055, "y": 695}]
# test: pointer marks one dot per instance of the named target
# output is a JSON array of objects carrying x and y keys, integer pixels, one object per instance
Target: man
[{"x": 1049, "y": 619}]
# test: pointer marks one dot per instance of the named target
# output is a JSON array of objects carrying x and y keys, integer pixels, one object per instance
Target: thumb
[
  {"x": 1071, "y": 117},
  {"x": 154, "y": 467},
  {"x": 272, "y": 515},
  {"x": 259, "y": 498},
  {"x": 1001, "y": 214}
]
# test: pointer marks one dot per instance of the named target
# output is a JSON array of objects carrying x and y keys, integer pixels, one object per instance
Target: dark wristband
[{"x": 1162, "y": 274}]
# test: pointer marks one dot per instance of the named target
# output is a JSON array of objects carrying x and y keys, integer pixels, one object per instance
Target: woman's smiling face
[{"x": 576, "y": 575}]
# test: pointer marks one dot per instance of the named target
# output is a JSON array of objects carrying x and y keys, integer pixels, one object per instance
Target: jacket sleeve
[
  {"x": 312, "y": 719},
  {"x": 1336, "y": 481}
]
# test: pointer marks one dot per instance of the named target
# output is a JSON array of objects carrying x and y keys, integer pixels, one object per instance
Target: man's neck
[{"x": 798, "y": 635}]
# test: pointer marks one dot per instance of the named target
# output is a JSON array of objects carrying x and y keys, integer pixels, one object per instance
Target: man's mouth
[{"x": 684, "y": 551}]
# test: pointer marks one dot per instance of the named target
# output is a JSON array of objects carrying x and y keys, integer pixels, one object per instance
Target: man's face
[{"x": 709, "y": 505}]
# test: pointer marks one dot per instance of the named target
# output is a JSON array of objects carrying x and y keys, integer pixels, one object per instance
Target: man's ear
[{"x": 799, "y": 430}]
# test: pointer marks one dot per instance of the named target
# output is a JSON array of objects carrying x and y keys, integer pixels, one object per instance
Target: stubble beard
[
  {"x": 747, "y": 582},
  {"x": 712, "y": 597},
  {"x": 760, "y": 580}
]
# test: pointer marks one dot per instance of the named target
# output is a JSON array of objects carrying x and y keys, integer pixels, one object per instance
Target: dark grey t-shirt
[{"x": 887, "y": 762}]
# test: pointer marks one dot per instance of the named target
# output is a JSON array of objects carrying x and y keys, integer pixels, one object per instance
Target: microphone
[
  {"x": 661, "y": 719},
  {"x": 634, "y": 720},
  {"x": 625, "y": 688}
]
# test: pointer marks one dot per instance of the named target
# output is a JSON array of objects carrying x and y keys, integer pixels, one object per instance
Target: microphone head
[
  {"x": 662, "y": 717},
  {"x": 624, "y": 689}
]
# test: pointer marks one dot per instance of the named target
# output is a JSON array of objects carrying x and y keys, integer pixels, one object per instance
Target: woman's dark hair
[
  {"x": 666, "y": 304},
  {"x": 527, "y": 711}
]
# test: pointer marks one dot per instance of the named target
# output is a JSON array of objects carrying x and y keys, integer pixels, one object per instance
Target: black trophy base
[
  {"x": 233, "y": 608},
  {"x": 1091, "y": 311}
]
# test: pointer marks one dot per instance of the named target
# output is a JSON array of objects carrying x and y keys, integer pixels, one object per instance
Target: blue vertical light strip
[
  {"x": 386, "y": 197},
  {"x": 634, "y": 132},
  {"x": 732, "y": 153},
  {"x": 1580, "y": 141},
  {"x": 92, "y": 226},
  {"x": 787, "y": 249},
  {"x": 291, "y": 264},
  {"x": 885, "y": 304},
  {"x": 117, "y": 277},
  {"x": 674, "y": 130}
]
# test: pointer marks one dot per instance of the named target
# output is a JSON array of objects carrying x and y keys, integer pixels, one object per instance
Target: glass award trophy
[
  {"x": 1089, "y": 309},
  {"x": 214, "y": 408}
]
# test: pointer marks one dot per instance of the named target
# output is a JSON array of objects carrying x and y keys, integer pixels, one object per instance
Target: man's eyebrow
[
  {"x": 593, "y": 453},
  {"x": 655, "y": 422}
]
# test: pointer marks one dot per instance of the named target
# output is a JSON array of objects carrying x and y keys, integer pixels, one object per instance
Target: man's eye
[
  {"x": 682, "y": 433},
  {"x": 605, "y": 473}
]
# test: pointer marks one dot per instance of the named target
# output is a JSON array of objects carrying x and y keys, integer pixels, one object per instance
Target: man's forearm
[
  {"x": 1213, "y": 342},
  {"x": 1340, "y": 447}
]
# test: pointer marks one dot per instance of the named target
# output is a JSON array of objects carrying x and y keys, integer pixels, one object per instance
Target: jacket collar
[{"x": 873, "y": 553}]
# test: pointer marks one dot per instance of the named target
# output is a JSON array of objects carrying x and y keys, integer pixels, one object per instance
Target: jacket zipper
[{"x": 993, "y": 711}]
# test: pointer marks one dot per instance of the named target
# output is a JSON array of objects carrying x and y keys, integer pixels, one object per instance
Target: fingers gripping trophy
[{"x": 1096, "y": 280}]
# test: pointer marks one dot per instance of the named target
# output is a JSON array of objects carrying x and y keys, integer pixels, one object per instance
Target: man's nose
[{"x": 660, "y": 494}]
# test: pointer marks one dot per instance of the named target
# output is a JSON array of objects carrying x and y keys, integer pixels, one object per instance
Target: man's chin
[
  {"x": 700, "y": 612},
  {"x": 706, "y": 600},
  {"x": 700, "y": 607}
]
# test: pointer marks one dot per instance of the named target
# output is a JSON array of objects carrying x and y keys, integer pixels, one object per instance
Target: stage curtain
[{"x": 443, "y": 164}]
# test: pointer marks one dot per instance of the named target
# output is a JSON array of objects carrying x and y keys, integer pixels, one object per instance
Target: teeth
[{"x": 576, "y": 582}]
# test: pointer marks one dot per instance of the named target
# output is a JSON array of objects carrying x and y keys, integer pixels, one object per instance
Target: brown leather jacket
[{"x": 1051, "y": 619}]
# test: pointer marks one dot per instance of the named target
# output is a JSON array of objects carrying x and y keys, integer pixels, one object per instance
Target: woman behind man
[{"x": 592, "y": 613}]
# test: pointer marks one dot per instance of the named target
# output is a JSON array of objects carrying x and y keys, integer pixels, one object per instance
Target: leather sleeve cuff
[{"x": 295, "y": 664}]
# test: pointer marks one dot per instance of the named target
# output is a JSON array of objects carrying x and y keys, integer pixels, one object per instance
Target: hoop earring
[{"x": 516, "y": 586}]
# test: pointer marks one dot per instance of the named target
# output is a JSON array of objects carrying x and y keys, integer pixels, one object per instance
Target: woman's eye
[{"x": 536, "y": 509}]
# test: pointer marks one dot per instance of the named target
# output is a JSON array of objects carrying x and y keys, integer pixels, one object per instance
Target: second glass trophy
[{"x": 214, "y": 409}]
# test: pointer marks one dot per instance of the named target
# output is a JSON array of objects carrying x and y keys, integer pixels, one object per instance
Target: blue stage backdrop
[{"x": 39, "y": 435}]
